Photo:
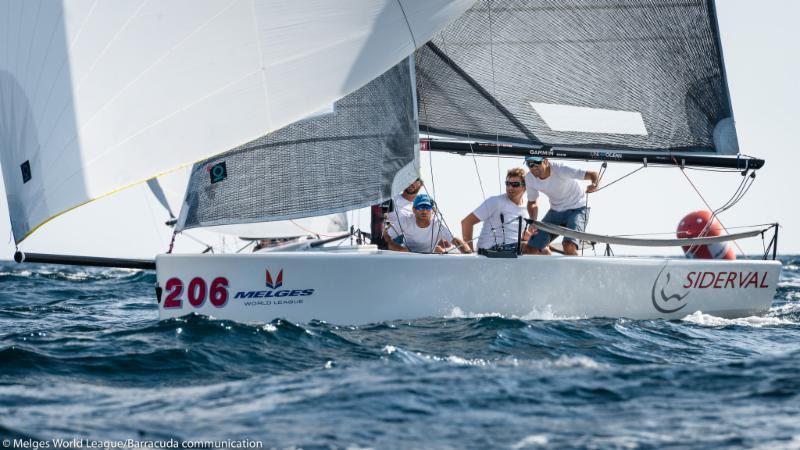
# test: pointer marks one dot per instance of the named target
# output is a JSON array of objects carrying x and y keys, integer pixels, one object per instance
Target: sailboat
[{"x": 288, "y": 111}]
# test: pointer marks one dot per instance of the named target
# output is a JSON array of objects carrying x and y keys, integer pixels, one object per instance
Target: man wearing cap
[
  {"x": 400, "y": 205},
  {"x": 421, "y": 232},
  {"x": 567, "y": 201},
  {"x": 499, "y": 215}
]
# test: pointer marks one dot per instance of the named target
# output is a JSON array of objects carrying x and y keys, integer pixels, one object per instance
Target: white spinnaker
[
  {"x": 323, "y": 226},
  {"x": 96, "y": 96}
]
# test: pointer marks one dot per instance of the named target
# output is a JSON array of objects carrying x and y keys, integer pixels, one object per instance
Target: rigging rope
[
  {"x": 494, "y": 98},
  {"x": 618, "y": 179},
  {"x": 713, "y": 214},
  {"x": 478, "y": 172},
  {"x": 318, "y": 235},
  {"x": 600, "y": 174},
  {"x": 474, "y": 158}
]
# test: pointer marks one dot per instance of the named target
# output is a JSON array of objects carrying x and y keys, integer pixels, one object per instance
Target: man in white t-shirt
[
  {"x": 400, "y": 205},
  {"x": 567, "y": 201},
  {"x": 421, "y": 232},
  {"x": 500, "y": 216},
  {"x": 402, "y": 202}
]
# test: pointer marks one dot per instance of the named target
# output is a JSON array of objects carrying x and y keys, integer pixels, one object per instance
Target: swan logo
[
  {"x": 666, "y": 303},
  {"x": 278, "y": 280}
]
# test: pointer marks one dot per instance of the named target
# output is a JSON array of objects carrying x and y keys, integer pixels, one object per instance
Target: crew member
[
  {"x": 421, "y": 232},
  {"x": 567, "y": 201},
  {"x": 500, "y": 215}
]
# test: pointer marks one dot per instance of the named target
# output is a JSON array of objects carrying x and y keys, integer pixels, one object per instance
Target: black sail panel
[
  {"x": 350, "y": 156},
  {"x": 624, "y": 74}
]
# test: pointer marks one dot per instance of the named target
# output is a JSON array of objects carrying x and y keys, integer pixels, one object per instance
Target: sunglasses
[
  {"x": 533, "y": 163},
  {"x": 514, "y": 183},
  {"x": 424, "y": 207}
]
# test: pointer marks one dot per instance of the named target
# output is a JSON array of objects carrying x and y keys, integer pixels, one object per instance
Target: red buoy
[{"x": 696, "y": 224}]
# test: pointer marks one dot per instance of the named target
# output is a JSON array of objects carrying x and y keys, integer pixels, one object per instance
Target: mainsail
[
  {"x": 356, "y": 154},
  {"x": 641, "y": 75},
  {"x": 97, "y": 96}
]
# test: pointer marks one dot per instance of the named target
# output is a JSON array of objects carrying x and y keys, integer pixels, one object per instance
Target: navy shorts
[{"x": 574, "y": 219}]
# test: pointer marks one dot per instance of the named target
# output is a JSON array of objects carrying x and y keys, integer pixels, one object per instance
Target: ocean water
[{"x": 83, "y": 356}]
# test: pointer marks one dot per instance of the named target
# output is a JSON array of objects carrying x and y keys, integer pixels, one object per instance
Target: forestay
[
  {"x": 96, "y": 96},
  {"x": 630, "y": 75},
  {"x": 355, "y": 154}
]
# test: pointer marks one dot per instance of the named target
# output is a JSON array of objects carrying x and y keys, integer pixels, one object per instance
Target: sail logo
[
  {"x": 26, "y": 171},
  {"x": 664, "y": 303},
  {"x": 218, "y": 172},
  {"x": 273, "y": 283},
  {"x": 278, "y": 281}
]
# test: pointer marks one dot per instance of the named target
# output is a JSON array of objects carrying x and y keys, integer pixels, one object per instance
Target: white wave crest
[
  {"x": 708, "y": 320},
  {"x": 786, "y": 308},
  {"x": 389, "y": 349},
  {"x": 562, "y": 362},
  {"x": 545, "y": 313},
  {"x": 417, "y": 357},
  {"x": 458, "y": 313},
  {"x": 20, "y": 273},
  {"x": 405, "y": 355},
  {"x": 535, "y": 440},
  {"x": 568, "y": 362}
]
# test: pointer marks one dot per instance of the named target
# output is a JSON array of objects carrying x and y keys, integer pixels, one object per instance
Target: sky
[{"x": 761, "y": 47}]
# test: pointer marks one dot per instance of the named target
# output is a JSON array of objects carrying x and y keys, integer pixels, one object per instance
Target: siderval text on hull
[{"x": 287, "y": 111}]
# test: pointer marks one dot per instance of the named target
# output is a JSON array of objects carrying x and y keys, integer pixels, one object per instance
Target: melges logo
[
  {"x": 274, "y": 283},
  {"x": 278, "y": 282},
  {"x": 676, "y": 300}
]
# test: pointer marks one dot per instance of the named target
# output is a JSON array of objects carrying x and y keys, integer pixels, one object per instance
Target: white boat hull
[{"x": 366, "y": 285}]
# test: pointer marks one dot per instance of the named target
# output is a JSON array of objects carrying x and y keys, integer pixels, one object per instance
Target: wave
[
  {"x": 545, "y": 313},
  {"x": 562, "y": 362},
  {"x": 698, "y": 318},
  {"x": 76, "y": 274}
]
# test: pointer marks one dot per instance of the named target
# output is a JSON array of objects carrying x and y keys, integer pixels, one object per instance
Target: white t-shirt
[
  {"x": 489, "y": 212},
  {"x": 402, "y": 207},
  {"x": 561, "y": 187},
  {"x": 416, "y": 239}
]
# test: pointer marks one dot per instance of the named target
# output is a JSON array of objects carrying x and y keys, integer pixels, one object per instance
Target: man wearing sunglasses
[
  {"x": 499, "y": 214},
  {"x": 567, "y": 201},
  {"x": 421, "y": 232},
  {"x": 399, "y": 206}
]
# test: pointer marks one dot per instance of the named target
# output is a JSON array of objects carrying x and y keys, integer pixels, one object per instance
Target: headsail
[
  {"x": 357, "y": 154},
  {"x": 643, "y": 75},
  {"x": 323, "y": 226},
  {"x": 96, "y": 96}
]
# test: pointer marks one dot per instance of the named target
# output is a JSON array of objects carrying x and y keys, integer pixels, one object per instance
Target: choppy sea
[{"x": 82, "y": 355}]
